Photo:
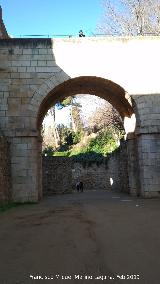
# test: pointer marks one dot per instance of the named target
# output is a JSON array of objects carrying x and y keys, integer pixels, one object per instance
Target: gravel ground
[{"x": 90, "y": 237}]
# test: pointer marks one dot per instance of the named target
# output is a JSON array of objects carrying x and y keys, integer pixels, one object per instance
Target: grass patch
[
  {"x": 61, "y": 154},
  {"x": 8, "y": 206}
]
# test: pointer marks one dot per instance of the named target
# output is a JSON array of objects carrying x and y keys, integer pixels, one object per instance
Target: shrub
[
  {"x": 104, "y": 143},
  {"x": 48, "y": 151}
]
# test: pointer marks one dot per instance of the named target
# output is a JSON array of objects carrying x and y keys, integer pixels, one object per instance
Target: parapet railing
[
  {"x": 54, "y": 35},
  {"x": 77, "y": 35}
]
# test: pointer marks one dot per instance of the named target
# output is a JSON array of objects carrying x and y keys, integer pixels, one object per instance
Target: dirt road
[{"x": 90, "y": 237}]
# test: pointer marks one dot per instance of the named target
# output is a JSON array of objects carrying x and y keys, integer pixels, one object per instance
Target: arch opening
[
  {"x": 100, "y": 87},
  {"x": 103, "y": 88}
]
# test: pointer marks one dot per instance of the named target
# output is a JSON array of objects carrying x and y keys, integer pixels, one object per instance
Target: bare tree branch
[{"x": 130, "y": 17}]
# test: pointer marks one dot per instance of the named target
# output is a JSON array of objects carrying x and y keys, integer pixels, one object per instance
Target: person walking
[{"x": 81, "y": 186}]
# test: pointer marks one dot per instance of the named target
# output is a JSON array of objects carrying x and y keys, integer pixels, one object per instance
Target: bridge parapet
[{"x": 35, "y": 72}]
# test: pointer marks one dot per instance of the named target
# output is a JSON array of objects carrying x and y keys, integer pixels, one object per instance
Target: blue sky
[
  {"x": 50, "y": 17},
  {"x": 62, "y": 116}
]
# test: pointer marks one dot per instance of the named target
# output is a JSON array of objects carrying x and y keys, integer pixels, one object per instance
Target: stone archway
[
  {"x": 103, "y": 88},
  {"x": 35, "y": 71},
  {"x": 26, "y": 153}
]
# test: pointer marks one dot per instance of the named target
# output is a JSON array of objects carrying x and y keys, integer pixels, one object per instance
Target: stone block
[
  {"x": 22, "y": 69},
  {"x": 43, "y": 57},
  {"x": 48, "y": 69},
  {"x": 25, "y": 75},
  {"x": 27, "y": 51},
  {"x": 3, "y": 107},
  {"x": 4, "y": 88},
  {"x": 18, "y": 51},
  {"x": 2, "y": 113},
  {"x": 31, "y": 69},
  {"x": 34, "y": 63},
  {"x": 21, "y": 63},
  {"x": 43, "y": 51},
  {"x": 44, "y": 76},
  {"x": 42, "y": 63},
  {"x": 14, "y": 106},
  {"x": 13, "y": 69},
  {"x": 15, "y": 75}
]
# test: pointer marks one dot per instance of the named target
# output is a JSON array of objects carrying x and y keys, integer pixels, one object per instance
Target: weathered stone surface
[
  {"x": 57, "y": 175},
  {"x": 35, "y": 73},
  {"x": 3, "y": 31},
  {"x": 109, "y": 174},
  {"x": 60, "y": 174},
  {"x": 5, "y": 173}
]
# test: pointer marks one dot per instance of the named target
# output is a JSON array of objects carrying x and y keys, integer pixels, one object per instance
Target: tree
[
  {"x": 76, "y": 122},
  {"x": 55, "y": 130},
  {"x": 130, "y": 17},
  {"x": 54, "y": 135},
  {"x": 51, "y": 135},
  {"x": 104, "y": 117}
]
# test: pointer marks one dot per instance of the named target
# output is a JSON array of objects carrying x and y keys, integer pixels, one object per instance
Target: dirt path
[{"x": 81, "y": 236}]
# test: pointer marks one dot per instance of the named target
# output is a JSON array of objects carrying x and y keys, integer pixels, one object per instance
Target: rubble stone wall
[{"x": 60, "y": 174}]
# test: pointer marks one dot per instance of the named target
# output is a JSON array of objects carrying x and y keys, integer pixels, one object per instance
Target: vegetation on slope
[{"x": 101, "y": 136}]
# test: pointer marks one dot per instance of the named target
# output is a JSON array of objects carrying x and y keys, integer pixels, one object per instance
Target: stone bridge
[{"x": 36, "y": 73}]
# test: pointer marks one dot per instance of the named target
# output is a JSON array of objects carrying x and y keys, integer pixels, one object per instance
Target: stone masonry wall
[
  {"x": 24, "y": 66},
  {"x": 60, "y": 174},
  {"x": 57, "y": 175},
  {"x": 149, "y": 164},
  {"x": 148, "y": 144},
  {"x": 5, "y": 178},
  {"x": 32, "y": 68},
  {"x": 133, "y": 166},
  {"x": 109, "y": 174}
]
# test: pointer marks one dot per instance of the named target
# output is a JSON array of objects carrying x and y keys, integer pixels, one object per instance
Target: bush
[
  {"x": 48, "y": 151},
  {"x": 104, "y": 143},
  {"x": 77, "y": 137}
]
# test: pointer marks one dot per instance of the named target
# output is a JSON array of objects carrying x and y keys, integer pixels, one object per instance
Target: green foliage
[
  {"x": 66, "y": 102},
  {"x": 75, "y": 152},
  {"x": 89, "y": 156},
  {"x": 61, "y": 154},
  {"x": 8, "y": 206},
  {"x": 69, "y": 138},
  {"x": 98, "y": 147},
  {"x": 71, "y": 100},
  {"x": 77, "y": 137},
  {"x": 104, "y": 143},
  {"x": 48, "y": 151}
]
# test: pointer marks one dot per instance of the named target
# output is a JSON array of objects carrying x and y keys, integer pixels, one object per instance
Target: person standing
[{"x": 81, "y": 34}]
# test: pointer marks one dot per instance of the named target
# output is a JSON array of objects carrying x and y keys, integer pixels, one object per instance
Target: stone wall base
[
  {"x": 5, "y": 173},
  {"x": 60, "y": 174}
]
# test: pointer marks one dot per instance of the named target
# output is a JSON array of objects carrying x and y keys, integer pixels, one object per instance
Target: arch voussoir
[{"x": 48, "y": 86}]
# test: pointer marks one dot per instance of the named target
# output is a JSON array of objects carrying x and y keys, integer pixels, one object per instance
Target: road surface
[{"x": 90, "y": 237}]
